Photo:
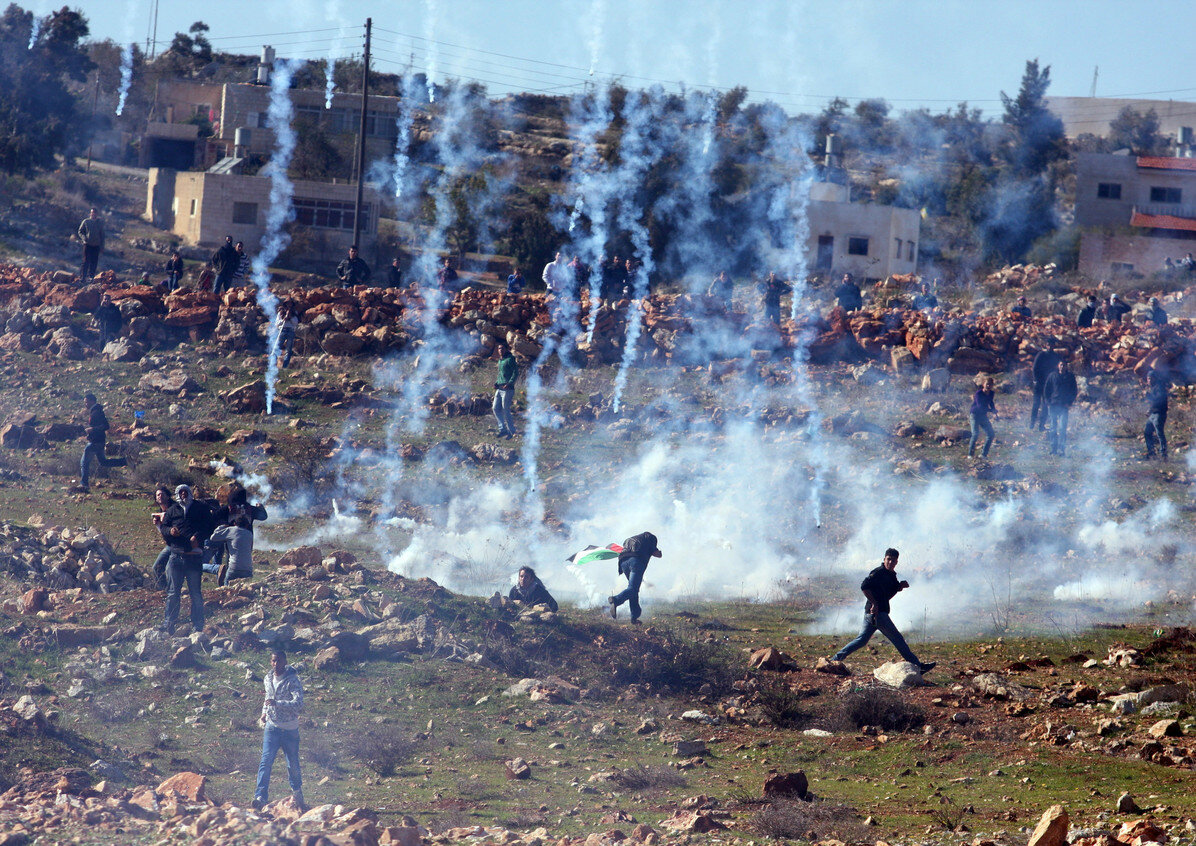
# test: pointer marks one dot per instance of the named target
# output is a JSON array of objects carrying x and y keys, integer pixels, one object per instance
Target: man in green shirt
[{"x": 504, "y": 390}]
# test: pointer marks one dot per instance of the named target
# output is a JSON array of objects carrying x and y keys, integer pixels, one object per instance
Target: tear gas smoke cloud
[
  {"x": 280, "y": 212},
  {"x": 334, "y": 50},
  {"x": 597, "y": 18},
  {"x": 35, "y": 30},
  {"x": 126, "y": 77}
]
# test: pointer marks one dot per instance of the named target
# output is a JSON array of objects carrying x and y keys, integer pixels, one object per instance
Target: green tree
[
  {"x": 1036, "y": 133},
  {"x": 37, "y": 112},
  {"x": 1139, "y": 132},
  {"x": 316, "y": 156},
  {"x": 190, "y": 51}
]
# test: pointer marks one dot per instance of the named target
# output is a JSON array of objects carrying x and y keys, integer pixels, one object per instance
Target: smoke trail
[
  {"x": 126, "y": 76},
  {"x": 334, "y": 14},
  {"x": 430, "y": 12},
  {"x": 597, "y": 22},
  {"x": 281, "y": 211},
  {"x": 636, "y": 151},
  {"x": 404, "y": 118},
  {"x": 35, "y": 30}
]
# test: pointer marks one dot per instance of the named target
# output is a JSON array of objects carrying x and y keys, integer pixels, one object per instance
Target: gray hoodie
[{"x": 287, "y": 694}]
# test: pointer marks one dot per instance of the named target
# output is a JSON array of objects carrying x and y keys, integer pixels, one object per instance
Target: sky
[{"x": 912, "y": 53}]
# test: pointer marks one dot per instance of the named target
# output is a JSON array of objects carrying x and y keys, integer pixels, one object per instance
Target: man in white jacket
[{"x": 280, "y": 716}]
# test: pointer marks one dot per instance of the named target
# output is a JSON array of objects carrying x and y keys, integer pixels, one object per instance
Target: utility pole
[
  {"x": 1095, "y": 74},
  {"x": 365, "y": 99},
  {"x": 95, "y": 100}
]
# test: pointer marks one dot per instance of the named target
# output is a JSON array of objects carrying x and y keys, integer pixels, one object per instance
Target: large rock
[
  {"x": 898, "y": 674},
  {"x": 301, "y": 556},
  {"x": 1051, "y": 829},
  {"x": 186, "y": 786},
  {"x": 341, "y": 343},
  {"x": 246, "y": 399},
  {"x": 123, "y": 349},
  {"x": 352, "y": 646},
  {"x": 787, "y": 784},
  {"x": 172, "y": 383}
]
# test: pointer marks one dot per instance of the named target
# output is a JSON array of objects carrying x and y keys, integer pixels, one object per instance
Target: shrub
[
  {"x": 879, "y": 707},
  {"x": 161, "y": 471},
  {"x": 678, "y": 660},
  {"x": 385, "y": 748},
  {"x": 780, "y": 703},
  {"x": 793, "y": 819},
  {"x": 644, "y": 778}
]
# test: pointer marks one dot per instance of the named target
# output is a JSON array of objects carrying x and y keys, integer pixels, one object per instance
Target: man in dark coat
[
  {"x": 530, "y": 590},
  {"x": 97, "y": 437},
  {"x": 109, "y": 318},
  {"x": 225, "y": 261},
  {"x": 879, "y": 587},
  {"x": 353, "y": 270},
  {"x": 848, "y": 294},
  {"x": 1157, "y": 387},
  {"x": 185, "y": 526},
  {"x": 1044, "y": 365},
  {"x": 771, "y": 290},
  {"x": 633, "y": 561},
  {"x": 1059, "y": 394},
  {"x": 1087, "y": 314}
]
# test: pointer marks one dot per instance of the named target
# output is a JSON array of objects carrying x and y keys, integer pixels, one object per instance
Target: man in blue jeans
[
  {"x": 633, "y": 561},
  {"x": 879, "y": 587},
  {"x": 280, "y": 716},
  {"x": 185, "y": 526}
]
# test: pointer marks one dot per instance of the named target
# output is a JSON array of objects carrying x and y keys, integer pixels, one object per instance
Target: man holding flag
[{"x": 633, "y": 561}]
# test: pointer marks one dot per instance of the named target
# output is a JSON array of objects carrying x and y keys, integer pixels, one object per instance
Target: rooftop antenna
[{"x": 1095, "y": 74}]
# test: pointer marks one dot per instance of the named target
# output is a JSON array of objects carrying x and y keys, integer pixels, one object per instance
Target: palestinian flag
[{"x": 595, "y": 553}]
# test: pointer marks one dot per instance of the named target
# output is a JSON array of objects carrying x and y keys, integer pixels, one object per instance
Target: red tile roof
[
  {"x": 1163, "y": 221},
  {"x": 1166, "y": 163}
]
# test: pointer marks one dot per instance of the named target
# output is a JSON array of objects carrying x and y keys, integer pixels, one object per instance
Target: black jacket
[
  {"x": 1044, "y": 365},
  {"x": 1060, "y": 389},
  {"x": 641, "y": 547},
  {"x": 883, "y": 585},
  {"x": 1087, "y": 315},
  {"x": 226, "y": 260},
  {"x": 353, "y": 271},
  {"x": 537, "y": 594},
  {"x": 196, "y": 522},
  {"x": 1156, "y": 393},
  {"x": 97, "y": 425}
]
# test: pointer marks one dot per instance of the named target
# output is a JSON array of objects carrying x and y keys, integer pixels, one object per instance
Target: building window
[
  {"x": 194, "y": 206},
  {"x": 328, "y": 214},
  {"x": 1121, "y": 268},
  {"x": 1160, "y": 194},
  {"x": 897, "y": 243},
  {"x": 245, "y": 214},
  {"x": 912, "y": 250},
  {"x": 1108, "y": 190},
  {"x": 857, "y": 246}
]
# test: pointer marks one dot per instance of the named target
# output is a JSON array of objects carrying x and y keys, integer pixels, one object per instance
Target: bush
[
  {"x": 384, "y": 749},
  {"x": 878, "y": 707},
  {"x": 161, "y": 471},
  {"x": 650, "y": 777},
  {"x": 678, "y": 660},
  {"x": 793, "y": 819},
  {"x": 780, "y": 703}
]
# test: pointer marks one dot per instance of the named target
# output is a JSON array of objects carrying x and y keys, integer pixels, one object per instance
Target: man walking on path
[
  {"x": 504, "y": 391},
  {"x": 633, "y": 561},
  {"x": 91, "y": 233},
  {"x": 185, "y": 527},
  {"x": 280, "y": 716},
  {"x": 879, "y": 587},
  {"x": 97, "y": 438},
  {"x": 1044, "y": 365},
  {"x": 1059, "y": 394}
]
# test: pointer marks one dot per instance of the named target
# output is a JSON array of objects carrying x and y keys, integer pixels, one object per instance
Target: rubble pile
[
  {"x": 60, "y": 558},
  {"x": 40, "y": 312}
]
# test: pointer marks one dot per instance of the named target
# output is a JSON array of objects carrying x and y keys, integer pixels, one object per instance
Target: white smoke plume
[
  {"x": 334, "y": 50},
  {"x": 126, "y": 77},
  {"x": 34, "y": 31},
  {"x": 431, "y": 10},
  {"x": 597, "y": 18},
  {"x": 281, "y": 211}
]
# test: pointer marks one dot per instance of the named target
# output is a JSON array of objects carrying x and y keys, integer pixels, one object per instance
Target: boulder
[
  {"x": 771, "y": 658},
  {"x": 123, "y": 349},
  {"x": 352, "y": 646},
  {"x": 898, "y": 674},
  {"x": 517, "y": 769},
  {"x": 341, "y": 343},
  {"x": 249, "y": 398},
  {"x": 186, "y": 786},
  {"x": 327, "y": 659},
  {"x": 301, "y": 556},
  {"x": 1051, "y": 829},
  {"x": 172, "y": 383},
  {"x": 787, "y": 784}
]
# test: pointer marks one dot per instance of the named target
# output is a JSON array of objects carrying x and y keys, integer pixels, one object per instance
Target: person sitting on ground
[
  {"x": 1087, "y": 313},
  {"x": 1115, "y": 309},
  {"x": 1021, "y": 308},
  {"x": 1156, "y": 315},
  {"x": 163, "y": 498},
  {"x": 236, "y": 540},
  {"x": 515, "y": 282},
  {"x": 878, "y": 587},
  {"x": 529, "y": 590}
]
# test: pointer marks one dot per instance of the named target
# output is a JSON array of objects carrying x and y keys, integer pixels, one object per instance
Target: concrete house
[
  {"x": 1134, "y": 212},
  {"x": 868, "y": 240}
]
